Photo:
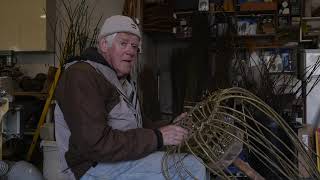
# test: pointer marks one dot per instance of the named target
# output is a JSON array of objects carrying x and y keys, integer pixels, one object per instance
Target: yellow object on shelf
[
  {"x": 258, "y": 6},
  {"x": 228, "y": 5},
  {"x": 4, "y": 107}
]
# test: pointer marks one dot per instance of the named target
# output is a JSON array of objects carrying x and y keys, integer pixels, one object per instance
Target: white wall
[{"x": 21, "y": 25}]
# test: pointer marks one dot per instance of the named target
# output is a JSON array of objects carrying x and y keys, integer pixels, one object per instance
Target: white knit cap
[{"x": 118, "y": 23}]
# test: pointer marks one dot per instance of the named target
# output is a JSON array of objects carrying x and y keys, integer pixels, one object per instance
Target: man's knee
[
  {"x": 195, "y": 160},
  {"x": 196, "y": 166}
]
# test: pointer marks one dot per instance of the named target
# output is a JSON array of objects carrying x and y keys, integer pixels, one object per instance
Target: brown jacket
[{"x": 85, "y": 98}]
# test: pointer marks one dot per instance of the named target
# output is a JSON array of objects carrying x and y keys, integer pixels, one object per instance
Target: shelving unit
[
  {"x": 308, "y": 35},
  {"x": 261, "y": 40},
  {"x": 185, "y": 17}
]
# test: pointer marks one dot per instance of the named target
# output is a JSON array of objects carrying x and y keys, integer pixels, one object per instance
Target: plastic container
[
  {"x": 50, "y": 160},
  {"x": 23, "y": 170}
]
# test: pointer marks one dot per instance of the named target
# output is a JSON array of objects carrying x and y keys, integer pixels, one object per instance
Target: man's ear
[{"x": 103, "y": 45}]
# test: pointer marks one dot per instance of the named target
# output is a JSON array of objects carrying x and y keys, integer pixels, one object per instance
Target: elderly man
[{"x": 99, "y": 128}]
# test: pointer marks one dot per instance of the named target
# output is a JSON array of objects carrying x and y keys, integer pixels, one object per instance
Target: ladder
[{"x": 44, "y": 113}]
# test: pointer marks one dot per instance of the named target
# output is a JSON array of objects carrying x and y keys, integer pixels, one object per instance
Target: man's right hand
[{"x": 173, "y": 135}]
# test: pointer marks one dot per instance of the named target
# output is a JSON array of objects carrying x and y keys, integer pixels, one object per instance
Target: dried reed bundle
[{"x": 77, "y": 28}]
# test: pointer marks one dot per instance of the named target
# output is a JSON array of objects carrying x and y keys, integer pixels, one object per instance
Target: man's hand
[
  {"x": 180, "y": 117},
  {"x": 173, "y": 135}
]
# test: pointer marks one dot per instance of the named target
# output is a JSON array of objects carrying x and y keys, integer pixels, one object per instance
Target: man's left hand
[{"x": 180, "y": 117}]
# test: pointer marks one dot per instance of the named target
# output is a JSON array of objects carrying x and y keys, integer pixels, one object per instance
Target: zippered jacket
[{"x": 98, "y": 118}]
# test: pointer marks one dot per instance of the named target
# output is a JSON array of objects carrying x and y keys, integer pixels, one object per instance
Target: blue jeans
[{"x": 147, "y": 168}]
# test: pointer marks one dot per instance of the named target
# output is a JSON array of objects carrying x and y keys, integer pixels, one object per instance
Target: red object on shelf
[{"x": 258, "y": 6}]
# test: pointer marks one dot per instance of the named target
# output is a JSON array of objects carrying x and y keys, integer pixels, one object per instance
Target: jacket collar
[{"x": 92, "y": 54}]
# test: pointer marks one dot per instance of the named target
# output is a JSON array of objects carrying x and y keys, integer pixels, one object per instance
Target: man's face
[{"x": 123, "y": 53}]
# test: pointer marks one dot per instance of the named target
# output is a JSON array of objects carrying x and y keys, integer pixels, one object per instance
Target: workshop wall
[
  {"x": 165, "y": 51},
  {"x": 154, "y": 65}
]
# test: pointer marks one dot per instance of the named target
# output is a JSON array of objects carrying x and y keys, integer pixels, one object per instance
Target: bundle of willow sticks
[
  {"x": 224, "y": 123},
  {"x": 74, "y": 28}
]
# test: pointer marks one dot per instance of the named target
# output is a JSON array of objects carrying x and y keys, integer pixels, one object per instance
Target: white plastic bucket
[{"x": 50, "y": 160}]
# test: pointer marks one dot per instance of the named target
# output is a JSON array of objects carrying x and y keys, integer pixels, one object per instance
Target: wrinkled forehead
[{"x": 124, "y": 36}]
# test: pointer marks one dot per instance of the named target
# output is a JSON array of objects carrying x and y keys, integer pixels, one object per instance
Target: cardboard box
[
  {"x": 268, "y": 28},
  {"x": 258, "y": 6}
]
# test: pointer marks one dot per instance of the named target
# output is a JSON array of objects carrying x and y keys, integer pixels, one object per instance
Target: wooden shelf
[
  {"x": 29, "y": 132},
  {"x": 252, "y": 12},
  {"x": 257, "y": 35},
  {"x": 268, "y": 46},
  {"x": 39, "y": 95},
  {"x": 222, "y": 11},
  {"x": 286, "y": 15},
  {"x": 255, "y": 15},
  {"x": 311, "y": 18}
]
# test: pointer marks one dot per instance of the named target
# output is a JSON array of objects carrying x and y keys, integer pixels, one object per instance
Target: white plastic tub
[{"x": 50, "y": 160}]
